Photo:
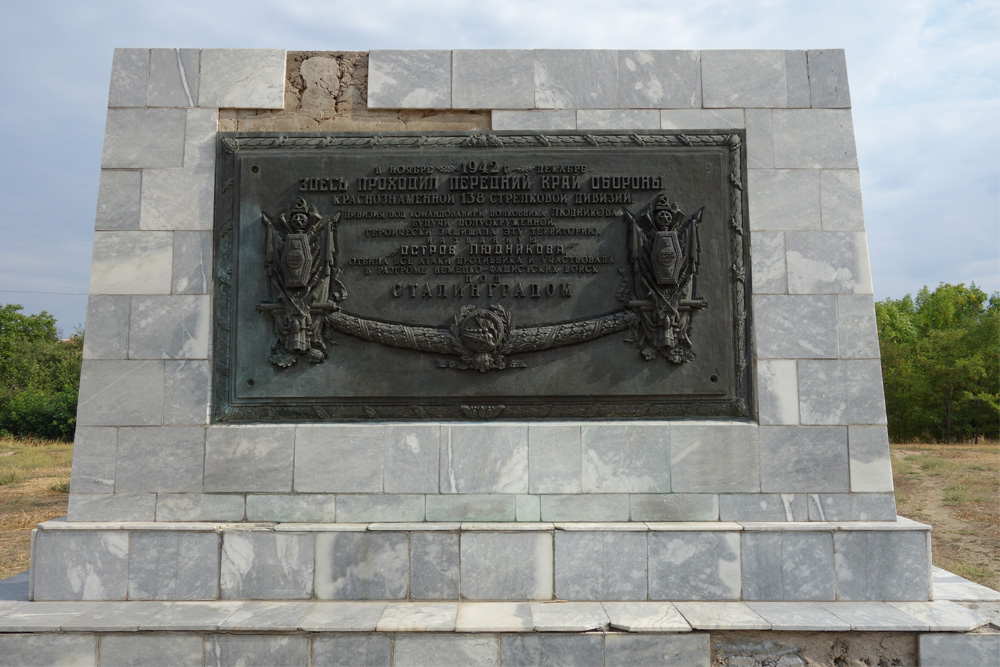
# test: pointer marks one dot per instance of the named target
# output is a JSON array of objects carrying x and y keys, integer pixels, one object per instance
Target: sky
[{"x": 924, "y": 80}]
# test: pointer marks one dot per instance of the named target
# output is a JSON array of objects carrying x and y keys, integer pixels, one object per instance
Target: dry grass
[
  {"x": 34, "y": 481},
  {"x": 956, "y": 489}
]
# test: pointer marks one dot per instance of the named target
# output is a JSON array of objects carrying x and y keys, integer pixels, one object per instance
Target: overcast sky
[{"x": 924, "y": 80}]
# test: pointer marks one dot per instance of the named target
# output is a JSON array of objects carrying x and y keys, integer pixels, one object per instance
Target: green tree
[
  {"x": 39, "y": 375},
  {"x": 941, "y": 363}
]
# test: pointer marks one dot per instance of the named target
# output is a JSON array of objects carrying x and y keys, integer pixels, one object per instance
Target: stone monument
[{"x": 443, "y": 327}]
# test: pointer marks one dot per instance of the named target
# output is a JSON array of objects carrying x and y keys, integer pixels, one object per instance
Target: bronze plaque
[{"x": 481, "y": 276}]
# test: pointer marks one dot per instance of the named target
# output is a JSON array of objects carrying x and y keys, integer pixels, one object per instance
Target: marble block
[
  {"x": 362, "y": 566},
  {"x": 556, "y": 119},
  {"x": 841, "y": 392},
  {"x": 874, "y": 617},
  {"x": 418, "y": 617},
  {"x": 177, "y": 199},
  {"x": 674, "y": 507},
  {"x": 173, "y": 77},
  {"x": 626, "y": 459},
  {"x": 784, "y": 199},
  {"x": 131, "y": 263},
  {"x": 947, "y": 650},
  {"x": 659, "y": 79},
  {"x": 721, "y": 616},
  {"x": 798, "y": 617},
  {"x": 199, "y": 139},
  {"x": 409, "y": 79},
  {"x": 107, "y": 327},
  {"x": 95, "y": 451},
  {"x": 170, "y": 327},
  {"x": 568, "y": 616},
  {"x": 84, "y": 565},
  {"x": 768, "y": 263},
  {"x": 351, "y": 649},
  {"x": 143, "y": 138},
  {"x": 803, "y": 459},
  {"x": 506, "y": 566},
  {"x": 690, "y": 650},
  {"x": 36, "y": 649},
  {"x": 242, "y": 78},
  {"x": 168, "y": 459},
  {"x": 170, "y": 565},
  {"x": 268, "y": 616},
  {"x": 694, "y": 566},
  {"x": 36, "y": 616},
  {"x": 797, "y": 79},
  {"x": 434, "y": 566},
  {"x": 190, "y": 616},
  {"x": 111, "y": 506},
  {"x": 645, "y": 617},
  {"x": 828, "y": 79},
  {"x": 554, "y": 458},
  {"x": 943, "y": 615},
  {"x": 576, "y": 79},
  {"x": 242, "y": 459},
  {"x": 494, "y": 617},
  {"x": 129, "y": 74},
  {"x": 297, "y": 508},
  {"x": 200, "y": 507},
  {"x": 493, "y": 79},
  {"x": 186, "y": 391},
  {"x": 852, "y": 507},
  {"x": 702, "y": 119},
  {"x": 192, "y": 263},
  {"x": 531, "y": 650},
  {"x": 343, "y": 617},
  {"x": 763, "y": 507},
  {"x": 697, "y": 449},
  {"x": 814, "y": 139},
  {"x": 259, "y": 565},
  {"x": 795, "y": 327},
  {"x": 585, "y": 507},
  {"x": 139, "y": 649},
  {"x": 868, "y": 447},
  {"x": 271, "y": 650},
  {"x": 882, "y": 565},
  {"x": 344, "y": 459},
  {"x": 485, "y": 458},
  {"x": 827, "y": 263},
  {"x": 616, "y": 119},
  {"x": 600, "y": 566},
  {"x": 788, "y": 566},
  {"x": 777, "y": 391},
  {"x": 743, "y": 78},
  {"x": 118, "y": 200},
  {"x": 856, "y": 326},
  {"x": 357, "y": 508},
  {"x": 760, "y": 139},
  {"x": 412, "y": 454},
  {"x": 840, "y": 200},
  {"x": 527, "y": 508},
  {"x": 421, "y": 650},
  {"x": 471, "y": 507}
]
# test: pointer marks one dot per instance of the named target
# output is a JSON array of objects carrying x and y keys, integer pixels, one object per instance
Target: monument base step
[{"x": 635, "y": 561}]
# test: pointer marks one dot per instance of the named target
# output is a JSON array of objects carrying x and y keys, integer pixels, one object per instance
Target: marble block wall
[{"x": 817, "y": 450}]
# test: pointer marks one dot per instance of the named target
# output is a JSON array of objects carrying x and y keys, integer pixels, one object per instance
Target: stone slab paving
[
  {"x": 722, "y": 616},
  {"x": 646, "y": 617},
  {"x": 568, "y": 616},
  {"x": 494, "y": 617}
]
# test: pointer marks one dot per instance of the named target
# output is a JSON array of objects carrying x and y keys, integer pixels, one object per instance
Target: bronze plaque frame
[{"x": 316, "y": 321}]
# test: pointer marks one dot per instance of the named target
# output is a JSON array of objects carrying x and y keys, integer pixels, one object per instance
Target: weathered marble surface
[
  {"x": 418, "y": 617},
  {"x": 200, "y": 507},
  {"x": 411, "y": 458},
  {"x": 243, "y": 460},
  {"x": 797, "y": 79},
  {"x": 943, "y": 615},
  {"x": 694, "y": 566},
  {"x": 787, "y": 566},
  {"x": 434, "y": 566},
  {"x": 800, "y": 459},
  {"x": 274, "y": 650},
  {"x": 267, "y": 565},
  {"x": 870, "y": 468},
  {"x": 702, "y": 119},
  {"x": 471, "y": 507},
  {"x": 129, "y": 75},
  {"x": 131, "y": 262},
  {"x": 118, "y": 197},
  {"x": 767, "y": 258},
  {"x": 659, "y": 79},
  {"x": 576, "y": 79},
  {"x": 343, "y": 616},
  {"x": 691, "y": 650},
  {"x": 674, "y": 507},
  {"x": 41, "y": 616},
  {"x": 763, "y": 507},
  {"x": 422, "y": 650},
  {"x": 494, "y": 617},
  {"x": 173, "y": 77},
  {"x": 585, "y": 507},
  {"x": 115, "y": 616},
  {"x": 784, "y": 199},
  {"x": 506, "y": 566},
  {"x": 380, "y": 507},
  {"x": 111, "y": 507},
  {"x": 268, "y": 616},
  {"x": 409, "y": 79},
  {"x": 840, "y": 200},
  {"x": 613, "y": 119},
  {"x": 795, "y": 327},
  {"x": 168, "y": 459},
  {"x": 600, "y": 566},
  {"x": 645, "y": 617},
  {"x": 143, "y": 138},
  {"x": 90, "y": 565},
  {"x": 555, "y": 460},
  {"x": 530, "y": 650},
  {"x": 493, "y": 79},
  {"x": 814, "y": 139},
  {"x": 945, "y": 650},
  {"x": 302, "y": 507},
  {"x": 190, "y": 616},
  {"x": 568, "y": 616},
  {"x": 139, "y": 649},
  {"x": 351, "y": 650},
  {"x": 242, "y": 78},
  {"x": 320, "y": 451},
  {"x": 721, "y": 615},
  {"x": 828, "y": 263},
  {"x": 760, "y": 139},
  {"x": 95, "y": 451},
  {"x": 744, "y": 78},
  {"x": 626, "y": 458},
  {"x": 697, "y": 449},
  {"x": 876, "y": 565},
  {"x": 485, "y": 458},
  {"x": 173, "y": 566},
  {"x": 874, "y": 617},
  {"x": 543, "y": 119},
  {"x": 359, "y": 566},
  {"x": 828, "y": 79},
  {"x": 841, "y": 392},
  {"x": 799, "y": 617},
  {"x": 186, "y": 385}
]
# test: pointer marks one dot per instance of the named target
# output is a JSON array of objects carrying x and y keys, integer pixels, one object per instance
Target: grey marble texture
[
  {"x": 271, "y": 650},
  {"x": 645, "y": 617},
  {"x": 798, "y": 617},
  {"x": 868, "y": 448},
  {"x": 190, "y": 616},
  {"x": 143, "y": 138},
  {"x": 626, "y": 458},
  {"x": 84, "y": 565},
  {"x": 41, "y": 616},
  {"x": 200, "y": 507},
  {"x": 298, "y": 507},
  {"x": 506, "y": 566},
  {"x": 691, "y": 650},
  {"x": 345, "y": 617},
  {"x": 943, "y": 615},
  {"x": 673, "y": 507},
  {"x": 797, "y": 79},
  {"x": 788, "y": 566},
  {"x": 412, "y": 455},
  {"x": 721, "y": 616},
  {"x": 702, "y": 119},
  {"x": 107, "y": 327},
  {"x": 585, "y": 507},
  {"x": 115, "y": 616},
  {"x": 841, "y": 392},
  {"x": 170, "y": 327},
  {"x": 576, "y": 79},
  {"x": 35, "y": 649},
  {"x": 767, "y": 259},
  {"x": 380, "y": 507},
  {"x": 568, "y": 616},
  {"x": 129, "y": 74},
  {"x": 136, "y": 649},
  {"x": 784, "y": 200},
  {"x": 351, "y": 650},
  {"x": 192, "y": 263},
  {"x": 268, "y": 616},
  {"x": 531, "y": 650},
  {"x": 763, "y": 507},
  {"x": 852, "y": 507},
  {"x": 173, "y": 566},
  {"x": 494, "y": 617},
  {"x": 554, "y": 458},
  {"x": 600, "y": 566},
  {"x": 344, "y": 459},
  {"x": 760, "y": 139},
  {"x": 777, "y": 391},
  {"x": 493, "y": 79},
  {"x": 242, "y": 78},
  {"x": 422, "y": 650},
  {"x": 874, "y": 617},
  {"x": 697, "y": 449},
  {"x": 948, "y": 586},
  {"x": 434, "y": 566},
  {"x": 199, "y": 139},
  {"x": 877, "y": 565},
  {"x": 828, "y": 79},
  {"x": 177, "y": 199},
  {"x": 94, "y": 458},
  {"x": 471, "y": 507},
  {"x": 242, "y": 459},
  {"x": 111, "y": 507},
  {"x": 528, "y": 508},
  {"x": 659, "y": 79},
  {"x": 827, "y": 263},
  {"x": 118, "y": 197},
  {"x": 694, "y": 566},
  {"x": 840, "y": 200},
  {"x": 947, "y": 650},
  {"x": 362, "y": 566},
  {"x": 418, "y": 617},
  {"x": 131, "y": 263},
  {"x": 804, "y": 459},
  {"x": 258, "y": 566},
  {"x": 168, "y": 459},
  {"x": 814, "y": 139},
  {"x": 185, "y": 391},
  {"x": 556, "y": 119},
  {"x": 743, "y": 78},
  {"x": 795, "y": 327},
  {"x": 485, "y": 458},
  {"x": 409, "y": 79},
  {"x": 617, "y": 119},
  {"x": 173, "y": 77},
  {"x": 856, "y": 326}
]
